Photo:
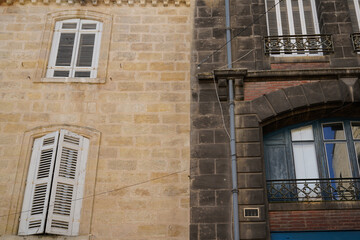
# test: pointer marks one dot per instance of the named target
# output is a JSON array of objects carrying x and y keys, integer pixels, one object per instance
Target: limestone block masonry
[{"x": 137, "y": 118}]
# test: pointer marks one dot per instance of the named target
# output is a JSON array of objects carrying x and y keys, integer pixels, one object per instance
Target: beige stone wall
[{"x": 141, "y": 113}]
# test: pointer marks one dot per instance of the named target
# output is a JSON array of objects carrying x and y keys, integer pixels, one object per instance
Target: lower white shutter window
[{"x": 54, "y": 188}]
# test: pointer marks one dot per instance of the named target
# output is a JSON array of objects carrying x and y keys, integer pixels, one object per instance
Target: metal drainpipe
[{"x": 232, "y": 126}]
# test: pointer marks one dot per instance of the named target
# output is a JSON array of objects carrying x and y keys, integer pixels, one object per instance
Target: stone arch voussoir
[{"x": 306, "y": 95}]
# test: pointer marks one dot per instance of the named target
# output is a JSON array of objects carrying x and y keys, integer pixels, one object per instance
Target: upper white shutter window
[
  {"x": 55, "y": 183},
  {"x": 75, "y": 49},
  {"x": 354, "y": 7},
  {"x": 292, "y": 17}
]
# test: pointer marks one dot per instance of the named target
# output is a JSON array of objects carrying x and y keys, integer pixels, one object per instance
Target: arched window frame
[
  {"x": 23, "y": 166},
  {"x": 47, "y": 43},
  {"x": 55, "y": 185},
  {"x": 324, "y": 170},
  {"x": 75, "y": 49}
]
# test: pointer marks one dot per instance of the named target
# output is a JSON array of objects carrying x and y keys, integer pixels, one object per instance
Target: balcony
[
  {"x": 355, "y": 37},
  {"x": 298, "y": 45},
  {"x": 310, "y": 190}
]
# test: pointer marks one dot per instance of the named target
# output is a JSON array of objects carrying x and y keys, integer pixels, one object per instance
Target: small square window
[{"x": 251, "y": 212}]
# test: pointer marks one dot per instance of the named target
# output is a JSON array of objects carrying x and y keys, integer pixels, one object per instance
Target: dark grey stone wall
[
  {"x": 251, "y": 178},
  {"x": 334, "y": 18},
  {"x": 248, "y": 27},
  {"x": 210, "y": 34},
  {"x": 211, "y": 203},
  {"x": 210, "y": 195},
  {"x": 248, "y": 24}
]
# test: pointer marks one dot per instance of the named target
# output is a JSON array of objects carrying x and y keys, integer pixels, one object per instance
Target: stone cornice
[
  {"x": 142, "y": 3},
  {"x": 221, "y": 77},
  {"x": 280, "y": 75}
]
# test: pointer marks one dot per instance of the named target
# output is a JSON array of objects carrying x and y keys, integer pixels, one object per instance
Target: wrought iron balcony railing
[
  {"x": 298, "y": 44},
  {"x": 355, "y": 37},
  {"x": 330, "y": 189}
]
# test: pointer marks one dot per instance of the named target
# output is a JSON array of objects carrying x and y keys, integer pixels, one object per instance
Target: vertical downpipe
[
  {"x": 233, "y": 162},
  {"x": 232, "y": 126}
]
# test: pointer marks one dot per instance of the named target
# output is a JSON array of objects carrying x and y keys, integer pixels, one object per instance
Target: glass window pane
[
  {"x": 296, "y": 17},
  {"x": 333, "y": 131},
  {"x": 69, "y": 25},
  {"x": 88, "y": 26},
  {"x": 309, "y": 21},
  {"x": 338, "y": 160},
  {"x": 357, "y": 150},
  {"x": 273, "y": 31},
  {"x": 302, "y": 134},
  {"x": 86, "y": 49},
  {"x": 82, "y": 74},
  {"x": 305, "y": 160},
  {"x": 306, "y": 167},
  {"x": 355, "y": 127},
  {"x": 61, "y": 73},
  {"x": 284, "y": 17},
  {"x": 65, "y": 50}
]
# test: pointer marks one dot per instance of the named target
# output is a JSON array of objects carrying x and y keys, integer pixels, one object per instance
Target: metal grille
[
  {"x": 355, "y": 37},
  {"x": 329, "y": 189},
  {"x": 298, "y": 44}
]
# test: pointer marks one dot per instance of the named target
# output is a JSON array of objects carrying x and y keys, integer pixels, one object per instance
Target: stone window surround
[
  {"x": 22, "y": 170},
  {"x": 46, "y": 43},
  {"x": 75, "y": 64}
]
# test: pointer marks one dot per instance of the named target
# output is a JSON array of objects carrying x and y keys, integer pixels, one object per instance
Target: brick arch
[{"x": 308, "y": 96}]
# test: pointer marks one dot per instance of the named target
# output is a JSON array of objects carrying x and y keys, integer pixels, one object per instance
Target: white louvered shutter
[
  {"x": 36, "y": 197},
  {"x": 67, "y": 188}
]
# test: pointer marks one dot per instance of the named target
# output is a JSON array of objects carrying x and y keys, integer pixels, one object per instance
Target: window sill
[
  {"x": 298, "y": 59},
  {"x": 72, "y": 80},
  {"x": 302, "y": 206}
]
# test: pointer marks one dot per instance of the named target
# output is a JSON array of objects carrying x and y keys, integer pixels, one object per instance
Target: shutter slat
[
  {"x": 63, "y": 216},
  {"x": 36, "y": 197}
]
